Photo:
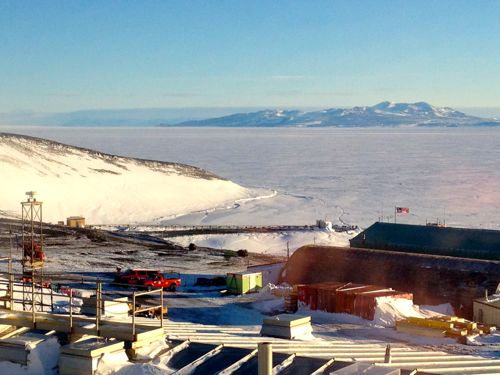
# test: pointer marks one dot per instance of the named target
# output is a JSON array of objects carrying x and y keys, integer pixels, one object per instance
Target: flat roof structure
[{"x": 427, "y": 239}]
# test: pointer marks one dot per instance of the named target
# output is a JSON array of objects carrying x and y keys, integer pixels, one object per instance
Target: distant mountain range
[
  {"x": 382, "y": 114},
  {"x": 133, "y": 117}
]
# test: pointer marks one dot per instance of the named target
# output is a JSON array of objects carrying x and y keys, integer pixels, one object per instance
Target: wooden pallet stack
[{"x": 443, "y": 326}]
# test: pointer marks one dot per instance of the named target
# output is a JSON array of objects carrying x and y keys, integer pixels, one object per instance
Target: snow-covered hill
[
  {"x": 382, "y": 114},
  {"x": 104, "y": 188}
]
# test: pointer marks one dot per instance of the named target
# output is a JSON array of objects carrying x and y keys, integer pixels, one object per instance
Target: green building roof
[{"x": 457, "y": 242}]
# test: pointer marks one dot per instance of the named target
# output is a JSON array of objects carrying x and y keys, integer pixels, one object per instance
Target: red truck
[{"x": 147, "y": 278}]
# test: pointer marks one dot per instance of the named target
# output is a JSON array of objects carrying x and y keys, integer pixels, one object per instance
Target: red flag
[{"x": 402, "y": 210}]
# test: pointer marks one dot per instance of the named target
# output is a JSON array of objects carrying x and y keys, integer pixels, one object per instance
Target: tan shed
[
  {"x": 487, "y": 310},
  {"x": 75, "y": 222}
]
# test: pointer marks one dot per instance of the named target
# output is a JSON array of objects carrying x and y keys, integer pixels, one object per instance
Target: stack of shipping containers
[{"x": 349, "y": 298}]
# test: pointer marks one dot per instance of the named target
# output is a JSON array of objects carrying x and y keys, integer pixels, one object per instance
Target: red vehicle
[
  {"x": 158, "y": 281},
  {"x": 33, "y": 251},
  {"x": 147, "y": 278}
]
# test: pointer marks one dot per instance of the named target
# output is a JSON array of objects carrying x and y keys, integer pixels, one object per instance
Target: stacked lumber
[{"x": 443, "y": 326}]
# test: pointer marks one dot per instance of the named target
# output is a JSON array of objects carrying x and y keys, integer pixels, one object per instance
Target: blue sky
[{"x": 69, "y": 55}]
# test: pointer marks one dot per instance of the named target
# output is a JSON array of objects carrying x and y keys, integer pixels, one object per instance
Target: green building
[
  {"x": 428, "y": 239},
  {"x": 243, "y": 282}
]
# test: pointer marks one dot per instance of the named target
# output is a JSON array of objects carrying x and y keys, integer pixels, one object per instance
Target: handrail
[
  {"x": 150, "y": 308},
  {"x": 100, "y": 295}
]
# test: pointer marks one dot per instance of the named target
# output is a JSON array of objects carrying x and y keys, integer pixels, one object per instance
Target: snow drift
[{"x": 101, "y": 187}]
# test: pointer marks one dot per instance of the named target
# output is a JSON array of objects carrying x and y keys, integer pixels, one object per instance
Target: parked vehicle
[
  {"x": 158, "y": 281},
  {"x": 147, "y": 278},
  {"x": 134, "y": 276}
]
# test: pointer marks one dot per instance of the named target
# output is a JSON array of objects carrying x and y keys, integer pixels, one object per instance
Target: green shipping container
[{"x": 242, "y": 282}]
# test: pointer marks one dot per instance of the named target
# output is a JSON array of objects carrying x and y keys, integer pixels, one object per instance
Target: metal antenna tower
[{"x": 33, "y": 256}]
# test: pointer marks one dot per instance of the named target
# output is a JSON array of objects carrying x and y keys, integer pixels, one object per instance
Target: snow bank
[
  {"x": 266, "y": 243},
  {"x": 389, "y": 310},
  {"x": 110, "y": 363},
  {"x": 42, "y": 360},
  {"x": 443, "y": 309},
  {"x": 105, "y": 188},
  {"x": 143, "y": 369},
  {"x": 151, "y": 351},
  {"x": 269, "y": 299},
  {"x": 491, "y": 340}
]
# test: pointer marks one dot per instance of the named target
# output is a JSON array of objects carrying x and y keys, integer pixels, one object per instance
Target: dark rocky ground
[{"x": 93, "y": 250}]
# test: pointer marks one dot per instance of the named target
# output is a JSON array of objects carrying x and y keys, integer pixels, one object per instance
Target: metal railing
[
  {"x": 152, "y": 309},
  {"x": 93, "y": 285}
]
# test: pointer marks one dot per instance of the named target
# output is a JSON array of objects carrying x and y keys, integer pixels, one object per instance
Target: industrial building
[
  {"x": 85, "y": 335},
  {"x": 428, "y": 239},
  {"x": 432, "y": 279},
  {"x": 487, "y": 310}
]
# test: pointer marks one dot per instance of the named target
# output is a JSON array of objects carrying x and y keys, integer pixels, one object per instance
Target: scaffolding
[
  {"x": 33, "y": 257},
  {"x": 6, "y": 299}
]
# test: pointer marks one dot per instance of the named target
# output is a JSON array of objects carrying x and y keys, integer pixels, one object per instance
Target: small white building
[
  {"x": 323, "y": 224},
  {"x": 487, "y": 310},
  {"x": 75, "y": 222},
  {"x": 271, "y": 272}
]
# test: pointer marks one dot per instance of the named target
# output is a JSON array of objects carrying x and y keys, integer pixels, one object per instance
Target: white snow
[
  {"x": 102, "y": 188},
  {"x": 267, "y": 243},
  {"x": 42, "y": 360},
  {"x": 387, "y": 312},
  {"x": 269, "y": 300},
  {"x": 442, "y": 309},
  {"x": 492, "y": 339},
  {"x": 350, "y": 175},
  {"x": 111, "y": 363},
  {"x": 390, "y": 309}
]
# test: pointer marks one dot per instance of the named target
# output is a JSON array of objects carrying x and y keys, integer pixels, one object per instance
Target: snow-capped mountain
[
  {"x": 103, "y": 188},
  {"x": 382, "y": 114},
  {"x": 268, "y": 117}
]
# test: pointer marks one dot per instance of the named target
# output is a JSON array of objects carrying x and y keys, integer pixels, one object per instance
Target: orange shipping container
[
  {"x": 344, "y": 297},
  {"x": 313, "y": 298},
  {"x": 341, "y": 297},
  {"x": 326, "y": 293}
]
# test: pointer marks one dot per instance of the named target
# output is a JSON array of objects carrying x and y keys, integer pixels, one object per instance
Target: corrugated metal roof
[
  {"x": 345, "y": 351},
  {"x": 447, "y": 241},
  {"x": 490, "y": 301}
]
